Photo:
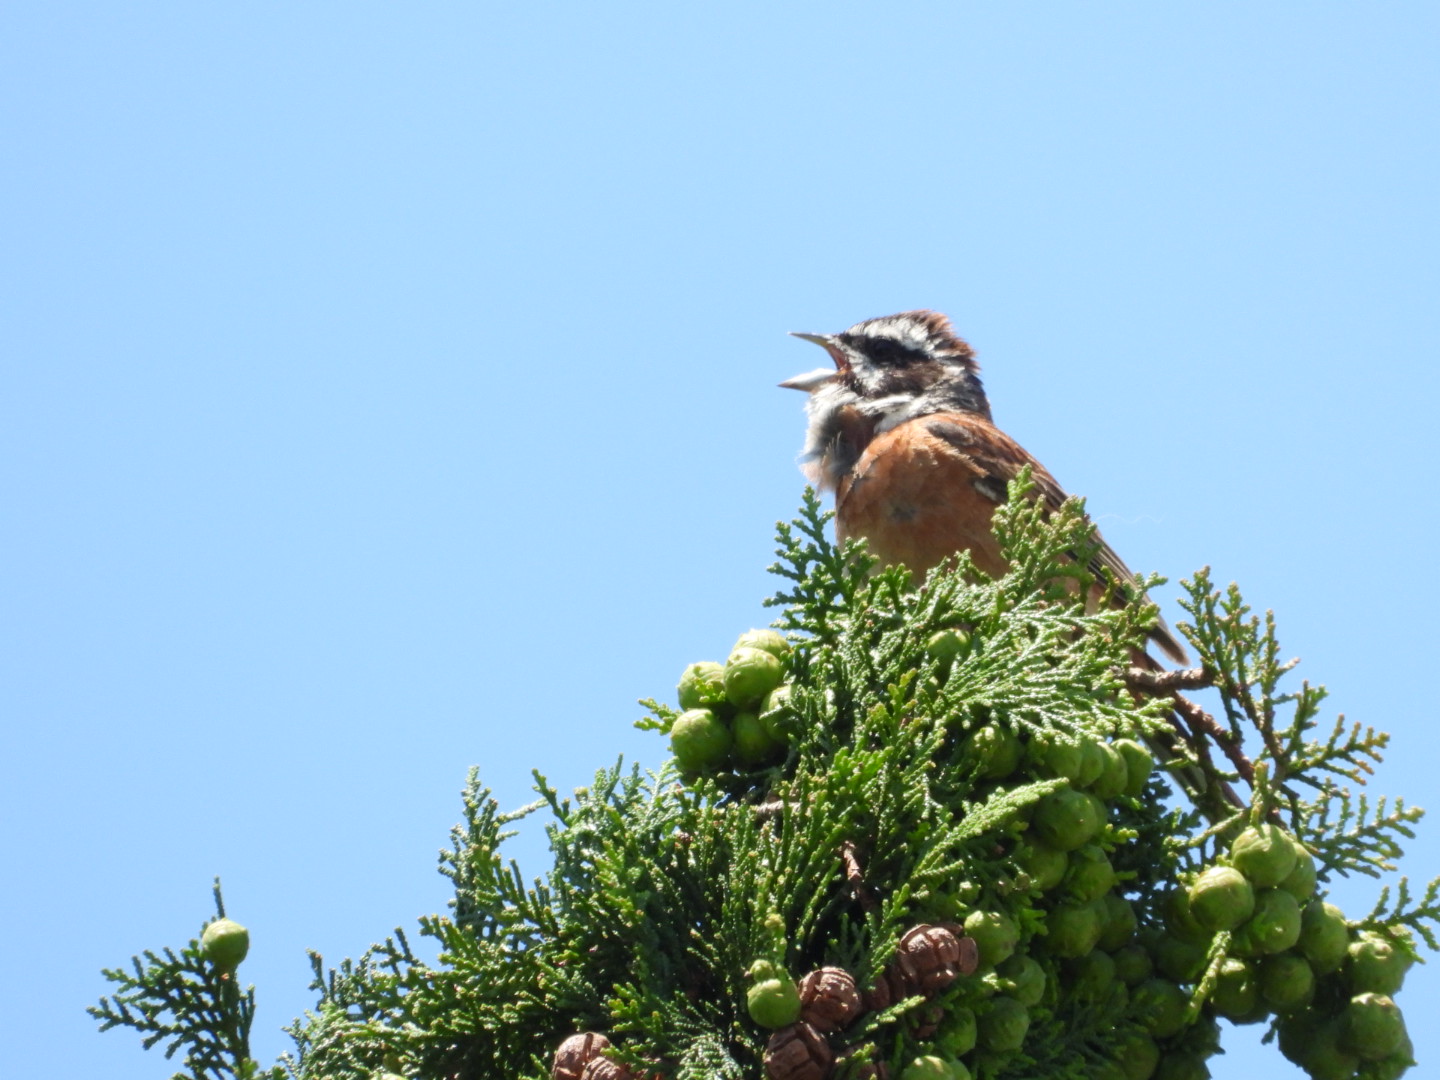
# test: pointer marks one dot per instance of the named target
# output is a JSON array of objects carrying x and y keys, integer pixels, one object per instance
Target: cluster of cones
[{"x": 928, "y": 960}]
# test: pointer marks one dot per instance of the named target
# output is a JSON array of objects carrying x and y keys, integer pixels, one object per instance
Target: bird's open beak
[
  {"x": 819, "y": 339},
  {"x": 813, "y": 380}
]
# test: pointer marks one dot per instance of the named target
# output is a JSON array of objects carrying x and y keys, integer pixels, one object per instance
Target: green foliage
[
  {"x": 181, "y": 1001},
  {"x": 904, "y": 798}
]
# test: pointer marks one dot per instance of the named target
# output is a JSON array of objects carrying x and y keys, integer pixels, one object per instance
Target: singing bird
[{"x": 900, "y": 430}]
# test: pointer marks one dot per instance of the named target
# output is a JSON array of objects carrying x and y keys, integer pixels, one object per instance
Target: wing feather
[{"x": 996, "y": 460}]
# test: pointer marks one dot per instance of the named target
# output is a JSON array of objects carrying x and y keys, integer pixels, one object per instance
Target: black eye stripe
[{"x": 886, "y": 352}]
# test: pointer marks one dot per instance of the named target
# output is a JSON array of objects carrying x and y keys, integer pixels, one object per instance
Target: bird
[{"x": 900, "y": 430}]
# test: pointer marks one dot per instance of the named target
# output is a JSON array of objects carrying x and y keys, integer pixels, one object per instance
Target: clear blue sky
[{"x": 391, "y": 388}]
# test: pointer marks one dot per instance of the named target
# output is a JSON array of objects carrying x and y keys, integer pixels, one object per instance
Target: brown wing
[{"x": 996, "y": 459}]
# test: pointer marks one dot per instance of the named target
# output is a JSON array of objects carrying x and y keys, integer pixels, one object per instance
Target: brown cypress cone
[
  {"x": 602, "y": 1068},
  {"x": 969, "y": 955},
  {"x": 575, "y": 1053},
  {"x": 969, "y": 959},
  {"x": 930, "y": 957},
  {"x": 829, "y": 999},
  {"x": 798, "y": 1052}
]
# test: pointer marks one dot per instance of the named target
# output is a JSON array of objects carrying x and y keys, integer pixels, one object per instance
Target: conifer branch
[
  {"x": 1422, "y": 918},
  {"x": 942, "y": 745},
  {"x": 183, "y": 1001}
]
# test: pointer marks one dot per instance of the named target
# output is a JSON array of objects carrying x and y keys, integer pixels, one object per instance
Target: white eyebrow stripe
[{"x": 905, "y": 331}]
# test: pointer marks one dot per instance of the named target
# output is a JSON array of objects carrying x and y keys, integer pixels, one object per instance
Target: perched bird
[{"x": 900, "y": 430}]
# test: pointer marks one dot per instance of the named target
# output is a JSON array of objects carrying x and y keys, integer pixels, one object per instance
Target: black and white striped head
[{"x": 886, "y": 371}]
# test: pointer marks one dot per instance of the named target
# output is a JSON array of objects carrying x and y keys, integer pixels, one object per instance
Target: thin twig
[
  {"x": 1203, "y": 729},
  {"x": 856, "y": 877},
  {"x": 1202, "y": 724},
  {"x": 771, "y": 809},
  {"x": 1165, "y": 682}
]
